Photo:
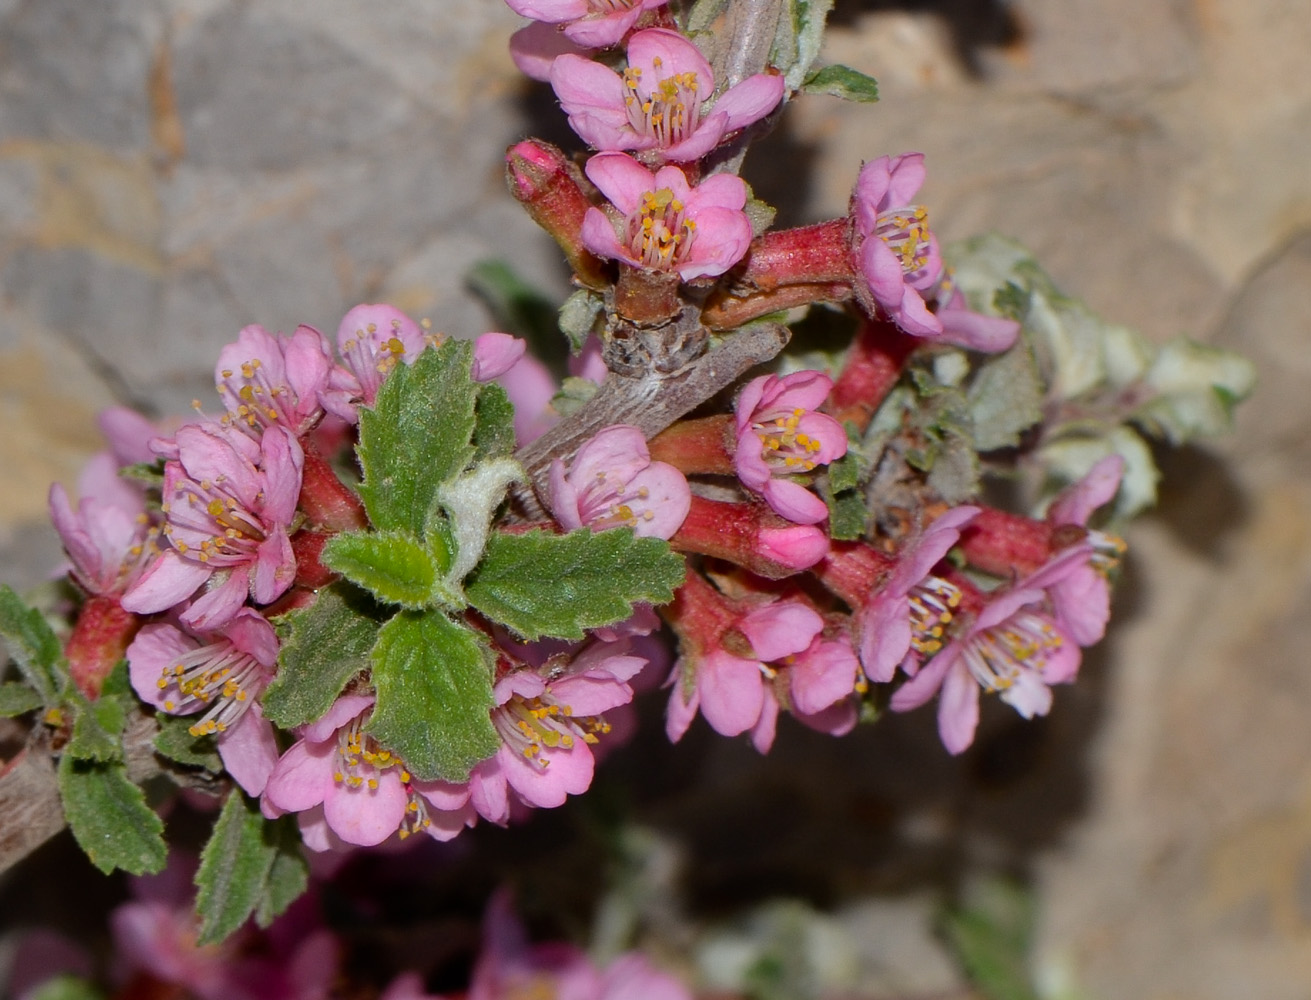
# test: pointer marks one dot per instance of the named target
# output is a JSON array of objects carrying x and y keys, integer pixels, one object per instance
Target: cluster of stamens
[
  {"x": 997, "y": 656},
  {"x": 258, "y": 403},
  {"x": 360, "y": 759},
  {"x": 621, "y": 511},
  {"x": 218, "y": 675},
  {"x": 532, "y": 726},
  {"x": 669, "y": 113},
  {"x": 372, "y": 357},
  {"x": 933, "y": 604},
  {"x": 784, "y": 447},
  {"x": 1107, "y": 551},
  {"x": 659, "y": 235},
  {"x": 207, "y": 509},
  {"x": 906, "y": 231}
]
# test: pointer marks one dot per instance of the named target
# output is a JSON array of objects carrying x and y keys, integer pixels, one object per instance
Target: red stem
[
  {"x": 873, "y": 366},
  {"x": 697, "y": 446}
]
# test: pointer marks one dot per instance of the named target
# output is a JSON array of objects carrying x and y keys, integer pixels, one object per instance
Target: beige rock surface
[{"x": 171, "y": 171}]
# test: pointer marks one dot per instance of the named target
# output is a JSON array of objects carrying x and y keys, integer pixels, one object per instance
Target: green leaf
[
  {"x": 434, "y": 683},
  {"x": 234, "y": 868},
  {"x": 990, "y": 934},
  {"x": 97, "y": 729},
  {"x": 33, "y": 645},
  {"x": 323, "y": 647},
  {"x": 578, "y": 317},
  {"x": 417, "y": 436},
  {"x": 848, "y": 514},
  {"x": 541, "y": 584},
  {"x": 394, "y": 566},
  {"x": 288, "y": 875},
  {"x": 1005, "y": 398},
  {"x": 16, "y": 698},
  {"x": 174, "y": 741},
  {"x": 844, "y": 82},
  {"x": 109, "y": 817},
  {"x": 66, "y": 987},
  {"x": 520, "y": 309},
  {"x": 494, "y": 435},
  {"x": 471, "y": 500},
  {"x": 800, "y": 34}
]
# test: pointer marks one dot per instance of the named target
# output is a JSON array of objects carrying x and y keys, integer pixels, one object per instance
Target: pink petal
[
  {"x": 1076, "y": 504},
  {"x": 821, "y": 676},
  {"x": 762, "y": 733},
  {"x": 750, "y": 100},
  {"x": 660, "y": 54},
  {"x": 794, "y": 502},
  {"x": 602, "y": 32},
  {"x": 680, "y": 712},
  {"x": 598, "y": 235},
  {"x": 535, "y": 48},
  {"x": 249, "y": 750},
  {"x": 905, "y": 177},
  {"x": 668, "y": 500},
  {"x": 156, "y": 648},
  {"x": 780, "y": 629},
  {"x": 723, "y": 236},
  {"x": 732, "y": 692},
  {"x": 798, "y": 547},
  {"x": 494, "y": 354},
  {"x": 621, "y": 179},
  {"x": 302, "y": 777},
  {"x": 168, "y": 581},
  {"x": 217, "y": 606},
  {"x": 366, "y": 817},
  {"x": 563, "y": 498},
  {"x": 958, "y": 709},
  {"x": 884, "y": 636},
  {"x": 925, "y": 684},
  {"x": 568, "y": 773}
]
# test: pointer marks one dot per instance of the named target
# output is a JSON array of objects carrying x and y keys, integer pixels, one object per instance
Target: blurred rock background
[{"x": 172, "y": 171}]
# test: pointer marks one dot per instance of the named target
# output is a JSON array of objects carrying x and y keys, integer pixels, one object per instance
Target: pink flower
[
  {"x": 109, "y": 538},
  {"x": 612, "y": 483},
  {"x": 910, "y": 607},
  {"x": 667, "y": 225},
  {"x": 372, "y": 340},
  {"x": 220, "y": 675},
  {"x": 815, "y": 685},
  {"x": 265, "y": 380},
  {"x": 963, "y": 326},
  {"x": 894, "y": 251},
  {"x": 363, "y": 790},
  {"x": 1013, "y": 647},
  {"x": 509, "y": 967},
  {"x": 657, "y": 104},
  {"x": 1081, "y": 600},
  {"x": 229, "y": 501},
  {"x": 591, "y": 24},
  {"x": 548, "y": 720},
  {"x": 779, "y": 434}
]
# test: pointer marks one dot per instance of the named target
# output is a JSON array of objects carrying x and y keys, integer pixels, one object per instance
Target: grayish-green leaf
[
  {"x": 1195, "y": 389},
  {"x": 33, "y": 645},
  {"x": 97, "y": 729},
  {"x": 578, "y": 317},
  {"x": 174, "y": 741},
  {"x": 417, "y": 436},
  {"x": 323, "y": 647},
  {"x": 800, "y": 35},
  {"x": 434, "y": 684},
  {"x": 558, "y": 585},
  {"x": 844, "y": 82},
  {"x": 289, "y": 874},
  {"x": 1005, "y": 398},
  {"x": 16, "y": 698},
  {"x": 233, "y": 868},
  {"x": 109, "y": 817},
  {"x": 394, "y": 565},
  {"x": 493, "y": 437}
]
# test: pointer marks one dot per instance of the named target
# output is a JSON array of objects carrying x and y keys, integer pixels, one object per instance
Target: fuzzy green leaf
[
  {"x": 16, "y": 698},
  {"x": 800, "y": 34},
  {"x": 1005, "y": 398},
  {"x": 234, "y": 867},
  {"x": 174, "y": 741},
  {"x": 323, "y": 647},
  {"x": 417, "y": 436},
  {"x": 578, "y": 317},
  {"x": 848, "y": 514},
  {"x": 494, "y": 435},
  {"x": 434, "y": 683},
  {"x": 97, "y": 729},
  {"x": 33, "y": 645},
  {"x": 288, "y": 875},
  {"x": 109, "y": 817},
  {"x": 558, "y": 585},
  {"x": 394, "y": 566},
  {"x": 844, "y": 82}
]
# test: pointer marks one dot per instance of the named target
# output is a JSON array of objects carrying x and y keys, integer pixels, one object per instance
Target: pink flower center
[
  {"x": 258, "y": 402},
  {"x": 360, "y": 761},
  {"x": 370, "y": 356},
  {"x": 669, "y": 112},
  {"x": 530, "y": 726},
  {"x": 906, "y": 231},
  {"x": 933, "y": 604},
  {"x": 607, "y": 503},
  {"x": 217, "y": 673},
  {"x": 234, "y": 533},
  {"x": 784, "y": 447},
  {"x": 659, "y": 234},
  {"x": 997, "y": 656}
]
